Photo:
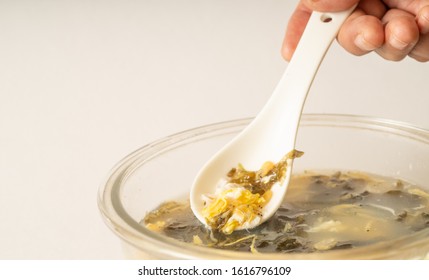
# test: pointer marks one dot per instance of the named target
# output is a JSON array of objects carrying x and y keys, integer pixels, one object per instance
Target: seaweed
[{"x": 297, "y": 221}]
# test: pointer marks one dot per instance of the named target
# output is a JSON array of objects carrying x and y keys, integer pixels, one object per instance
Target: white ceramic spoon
[{"x": 271, "y": 135}]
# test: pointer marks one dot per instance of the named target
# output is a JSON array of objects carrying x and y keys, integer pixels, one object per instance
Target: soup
[{"x": 322, "y": 211}]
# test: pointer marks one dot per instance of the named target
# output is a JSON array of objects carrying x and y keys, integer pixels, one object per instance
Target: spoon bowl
[{"x": 271, "y": 135}]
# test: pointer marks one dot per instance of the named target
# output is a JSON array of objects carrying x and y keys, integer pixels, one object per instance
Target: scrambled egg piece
[
  {"x": 238, "y": 201},
  {"x": 234, "y": 207},
  {"x": 157, "y": 226}
]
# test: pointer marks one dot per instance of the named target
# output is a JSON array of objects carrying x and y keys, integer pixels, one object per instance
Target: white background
[{"x": 84, "y": 83}]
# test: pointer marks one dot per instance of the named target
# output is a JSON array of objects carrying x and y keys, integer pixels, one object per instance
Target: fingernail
[
  {"x": 398, "y": 44},
  {"x": 363, "y": 44}
]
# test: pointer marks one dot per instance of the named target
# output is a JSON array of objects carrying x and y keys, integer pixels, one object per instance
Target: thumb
[
  {"x": 329, "y": 5},
  {"x": 300, "y": 18}
]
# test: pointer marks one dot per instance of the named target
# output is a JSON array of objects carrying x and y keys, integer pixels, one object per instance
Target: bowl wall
[{"x": 164, "y": 170}]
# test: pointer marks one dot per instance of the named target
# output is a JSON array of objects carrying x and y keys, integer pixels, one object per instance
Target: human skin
[{"x": 394, "y": 29}]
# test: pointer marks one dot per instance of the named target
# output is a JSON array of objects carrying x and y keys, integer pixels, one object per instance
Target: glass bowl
[{"x": 165, "y": 169}]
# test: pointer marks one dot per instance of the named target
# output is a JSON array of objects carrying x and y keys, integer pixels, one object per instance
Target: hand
[{"x": 394, "y": 29}]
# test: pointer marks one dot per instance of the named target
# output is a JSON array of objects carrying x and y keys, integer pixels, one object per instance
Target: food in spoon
[
  {"x": 322, "y": 211},
  {"x": 240, "y": 198}
]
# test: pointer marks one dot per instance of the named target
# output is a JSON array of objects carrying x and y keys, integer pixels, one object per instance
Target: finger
[
  {"x": 423, "y": 19},
  {"x": 294, "y": 30},
  {"x": 411, "y": 6},
  {"x": 419, "y": 8},
  {"x": 373, "y": 7},
  {"x": 421, "y": 50},
  {"x": 329, "y": 5},
  {"x": 361, "y": 33},
  {"x": 401, "y": 35}
]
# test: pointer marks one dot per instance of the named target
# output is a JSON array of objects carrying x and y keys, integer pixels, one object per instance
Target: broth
[{"x": 322, "y": 211}]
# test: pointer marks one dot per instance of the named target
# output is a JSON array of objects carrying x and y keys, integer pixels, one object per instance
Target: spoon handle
[{"x": 292, "y": 89}]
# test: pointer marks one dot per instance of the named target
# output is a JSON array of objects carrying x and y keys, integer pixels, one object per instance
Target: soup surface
[{"x": 322, "y": 211}]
